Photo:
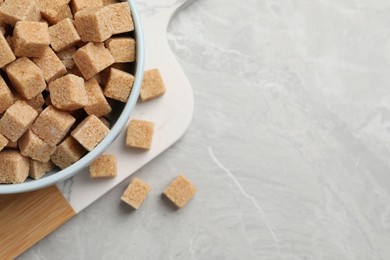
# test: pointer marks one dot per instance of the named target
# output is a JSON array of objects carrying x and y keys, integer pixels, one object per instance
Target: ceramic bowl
[{"x": 118, "y": 123}]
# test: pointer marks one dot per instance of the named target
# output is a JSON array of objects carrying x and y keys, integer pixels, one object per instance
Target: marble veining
[
  {"x": 246, "y": 195},
  {"x": 289, "y": 144}
]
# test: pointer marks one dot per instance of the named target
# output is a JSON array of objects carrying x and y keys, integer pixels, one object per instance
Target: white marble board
[{"x": 171, "y": 113}]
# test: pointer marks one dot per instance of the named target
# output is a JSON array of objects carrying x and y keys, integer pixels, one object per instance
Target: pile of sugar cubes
[{"x": 65, "y": 64}]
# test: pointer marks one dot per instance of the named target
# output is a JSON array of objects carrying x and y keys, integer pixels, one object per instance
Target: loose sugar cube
[
  {"x": 63, "y": 35},
  {"x": 3, "y": 142},
  {"x": 50, "y": 64},
  {"x": 6, "y": 97},
  {"x": 121, "y": 19},
  {"x": 38, "y": 169},
  {"x": 14, "y": 167},
  {"x": 103, "y": 167},
  {"x": 36, "y": 102},
  {"x": 67, "y": 153},
  {"x": 139, "y": 134},
  {"x": 17, "y": 119},
  {"x": 30, "y": 39},
  {"x": 26, "y": 77},
  {"x": 92, "y": 59},
  {"x": 119, "y": 85},
  {"x": 136, "y": 193},
  {"x": 90, "y": 132},
  {"x": 68, "y": 92},
  {"x": 32, "y": 146},
  {"x": 122, "y": 49},
  {"x": 94, "y": 24},
  {"x": 97, "y": 103},
  {"x": 78, "y": 5},
  {"x": 66, "y": 57},
  {"x": 6, "y": 54},
  {"x": 12, "y": 11},
  {"x": 52, "y": 125},
  {"x": 152, "y": 85},
  {"x": 180, "y": 191}
]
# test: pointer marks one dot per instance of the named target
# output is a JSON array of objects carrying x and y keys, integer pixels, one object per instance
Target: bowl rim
[{"x": 114, "y": 132}]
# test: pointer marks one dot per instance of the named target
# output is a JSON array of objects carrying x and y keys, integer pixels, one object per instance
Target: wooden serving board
[{"x": 27, "y": 218}]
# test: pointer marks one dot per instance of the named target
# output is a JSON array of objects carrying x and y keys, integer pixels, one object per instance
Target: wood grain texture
[{"x": 28, "y": 217}]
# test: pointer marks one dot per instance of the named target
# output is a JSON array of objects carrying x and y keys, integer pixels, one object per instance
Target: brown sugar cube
[
  {"x": 63, "y": 35},
  {"x": 16, "y": 120},
  {"x": 6, "y": 97},
  {"x": 56, "y": 14},
  {"x": 67, "y": 153},
  {"x": 121, "y": 19},
  {"x": 32, "y": 146},
  {"x": 2, "y": 29},
  {"x": 12, "y": 11},
  {"x": 90, "y": 132},
  {"x": 103, "y": 167},
  {"x": 54, "y": 10},
  {"x": 30, "y": 39},
  {"x": 50, "y": 4},
  {"x": 3, "y": 142},
  {"x": 38, "y": 169},
  {"x": 66, "y": 57},
  {"x": 152, "y": 85},
  {"x": 94, "y": 24},
  {"x": 50, "y": 64},
  {"x": 68, "y": 93},
  {"x": 122, "y": 49},
  {"x": 14, "y": 167},
  {"x": 119, "y": 85},
  {"x": 52, "y": 125},
  {"x": 140, "y": 134},
  {"x": 6, "y": 54},
  {"x": 26, "y": 77},
  {"x": 78, "y": 5},
  {"x": 92, "y": 59},
  {"x": 180, "y": 191},
  {"x": 36, "y": 102},
  {"x": 136, "y": 193},
  {"x": 97, "y": 103}
]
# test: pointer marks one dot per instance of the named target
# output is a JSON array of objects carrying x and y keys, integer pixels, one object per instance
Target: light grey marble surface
[{"x": 289, "y": 145}]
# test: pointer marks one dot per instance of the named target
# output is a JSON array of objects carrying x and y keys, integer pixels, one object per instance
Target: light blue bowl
[{"x": 123, "y": 114}]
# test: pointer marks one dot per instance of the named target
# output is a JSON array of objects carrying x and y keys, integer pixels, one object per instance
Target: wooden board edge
[{"x": 28, "y": 217}]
